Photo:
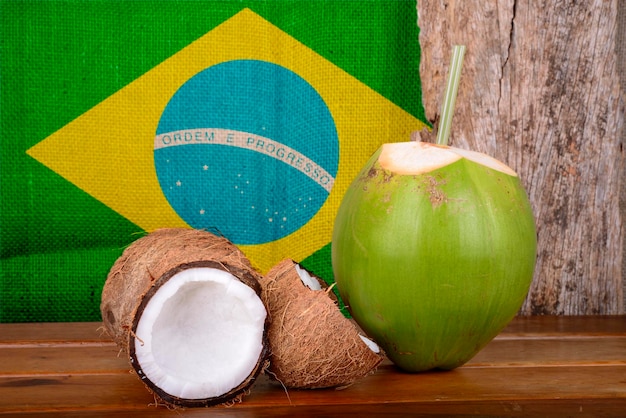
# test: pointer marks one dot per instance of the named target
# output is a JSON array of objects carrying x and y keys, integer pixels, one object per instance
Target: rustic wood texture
[
  {"x": 620, "y": 46},
  {"x": 540, "y": 91},
  {"x": 538, "y": 366}
]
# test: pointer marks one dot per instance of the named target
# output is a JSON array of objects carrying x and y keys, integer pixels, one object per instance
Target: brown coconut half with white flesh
[
  {"x": 185, "y": 306},
  {"x": 312, "y": 344}
]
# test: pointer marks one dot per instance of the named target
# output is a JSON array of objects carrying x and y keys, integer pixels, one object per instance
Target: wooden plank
[
  {"x": 61, "y": 360},
  {"x": 527, "y": 341},
  {"x": 78, "y": 359},
  {"x": 523, "y": 408},
  {"x": 553, "y": 409},
  {"x": 479, "y": 390},
  {"x": 521, "y": 326},
  {"x": 53, "y": 332},
  {"x": 552, "y": 352},
  {"x": 555, "y": 366},
  {"x": 565, "y": 326},
  {"x": 66, "y": 348}
]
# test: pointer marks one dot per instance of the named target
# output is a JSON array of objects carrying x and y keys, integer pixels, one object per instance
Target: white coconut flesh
[
  {"x": 314, "y": 284},
  {"x": 307, "y": 279},
  {"x": 371, "y": 344},
  {"x": 201, "y": 334},
  {"x": 412, "y": 158}
]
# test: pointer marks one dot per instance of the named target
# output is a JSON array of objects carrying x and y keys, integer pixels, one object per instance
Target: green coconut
[{"x": 433, "y": 252}]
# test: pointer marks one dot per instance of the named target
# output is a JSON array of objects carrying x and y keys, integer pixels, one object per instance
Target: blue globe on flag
[{"x": 246, "y": 149}]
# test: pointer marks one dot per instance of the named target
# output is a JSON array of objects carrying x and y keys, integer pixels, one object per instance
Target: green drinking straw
[{"x": 447, "y": 107}]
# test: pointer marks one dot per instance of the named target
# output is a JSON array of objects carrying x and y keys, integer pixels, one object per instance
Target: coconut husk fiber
[
  {"x": 145, "y": 266},
  {"x": 312, "y": 344}
]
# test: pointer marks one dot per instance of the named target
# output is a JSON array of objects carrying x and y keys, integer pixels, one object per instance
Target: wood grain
[
  {"x": 538, "y": 366},
  {"x": 540, "y": 91}
]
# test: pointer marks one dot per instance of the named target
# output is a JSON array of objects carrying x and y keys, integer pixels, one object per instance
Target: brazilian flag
[{"x": 245, "y": 118}]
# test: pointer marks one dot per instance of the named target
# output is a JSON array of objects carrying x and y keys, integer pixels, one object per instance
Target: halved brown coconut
[
  {"x": 312, "y": 344},
  {"x": 185, "y": 306}
]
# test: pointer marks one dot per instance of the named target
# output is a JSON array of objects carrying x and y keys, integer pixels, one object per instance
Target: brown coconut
[
  {"x": 195, "y": 263},
  {"x": 312, "y": 344}
]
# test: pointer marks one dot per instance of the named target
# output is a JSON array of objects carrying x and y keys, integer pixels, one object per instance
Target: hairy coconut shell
[
  {"x": 312, "y": 344},
  {"x": 150, "y": 262}
]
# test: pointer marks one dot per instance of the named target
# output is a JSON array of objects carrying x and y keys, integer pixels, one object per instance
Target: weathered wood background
[
  {"x": 620, "y": 40},
  {"x": 540, "y": 91}
]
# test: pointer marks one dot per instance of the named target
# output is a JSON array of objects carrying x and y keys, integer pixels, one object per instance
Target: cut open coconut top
[
  {"x": 200, "y": 335},
  {"x": 410, "y": 158}
]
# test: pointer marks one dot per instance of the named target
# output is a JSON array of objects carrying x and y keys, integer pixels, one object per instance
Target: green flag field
[{"x": 245, "y": 118}]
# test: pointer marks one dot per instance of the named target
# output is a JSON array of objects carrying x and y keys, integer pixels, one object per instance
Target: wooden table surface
[{"x": 538, "y": 366}]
